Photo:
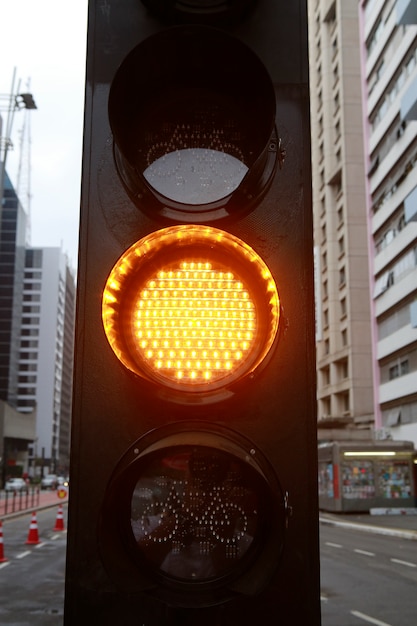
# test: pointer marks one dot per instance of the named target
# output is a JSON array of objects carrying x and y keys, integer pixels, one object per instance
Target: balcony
[
  {"x": 398, "y": 388},
  {"x": 400, "y": 242},
  {"x": 395, "y": 293},
  {"x": 397, "y": 341}
]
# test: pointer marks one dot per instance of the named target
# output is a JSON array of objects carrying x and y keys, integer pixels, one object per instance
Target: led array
[
  {"x": 193, "y": 322},
  {"x": 191, "y": 307}
]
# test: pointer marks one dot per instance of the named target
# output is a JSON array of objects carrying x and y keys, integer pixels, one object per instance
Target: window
[
  {"x": 29, "y": 344},
  {"x": 28, "y": 355},
  {"x": 31, "y": 309},
  {"x": 342, "y": 369},
  {"x": 27, "y": 391},
  {"x": 394, "y": 480},
  {"x": 336, "y": 102},
  {"x": 27, "y": 379},
  {"x": 32, "y": 286},
  {"x": 30, "y": 332},
  {"x": 398, "y": 369},
  {"x": 33, "y": 258},
  {"x": 325, "y": 407},
  {"x": 325, "y": 375},
  {"x": 375, "y": 36},
  {"x": 393, "y": 322},
  {"x": 334, "y": 47},
  {"x": 358, "y": 479}
]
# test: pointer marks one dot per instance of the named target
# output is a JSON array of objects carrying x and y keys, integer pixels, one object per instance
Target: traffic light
[{"x": 193, "y": 466}]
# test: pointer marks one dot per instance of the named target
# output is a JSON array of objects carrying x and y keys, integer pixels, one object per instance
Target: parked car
[
  {"x": 50, "y": 481},
  {"x": 16, "y": 484}
]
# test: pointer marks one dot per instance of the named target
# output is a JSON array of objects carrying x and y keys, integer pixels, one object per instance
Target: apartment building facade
[
  {"x": 389, "y": 68},
  {"x": 343, "y": 311}
]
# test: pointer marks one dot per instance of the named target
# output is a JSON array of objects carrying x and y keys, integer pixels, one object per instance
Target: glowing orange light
[
  {"x": 202, "y": 313},
  {"x": 191, "y": 306}
]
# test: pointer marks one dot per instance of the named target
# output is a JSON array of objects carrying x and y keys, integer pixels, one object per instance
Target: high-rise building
[
  {"x": 344, "y": 344},
  {"x": 37, "y": 311},
  {"x": 389, "y": 67},
  {"x": 12, "y": 263},
  {"x": 67, "y": 373},
  {"x": 46, "y": 351}
]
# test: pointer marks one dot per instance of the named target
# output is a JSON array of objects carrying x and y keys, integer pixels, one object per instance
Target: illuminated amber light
[
  {"x": 194, "y": 322},
  {"x": 191, "y": 306}
]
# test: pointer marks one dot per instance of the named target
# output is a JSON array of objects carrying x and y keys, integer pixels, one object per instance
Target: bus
[{"x": 359, "y": 476}]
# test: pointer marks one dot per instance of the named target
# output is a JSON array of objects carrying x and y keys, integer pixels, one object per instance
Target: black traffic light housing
[
  {"x": 218, "y": 98},
  {"x": 240, "y": 486},
  {"x": 181, "y": 496}
]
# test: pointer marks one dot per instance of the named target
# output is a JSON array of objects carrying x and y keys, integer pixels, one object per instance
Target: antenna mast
[{"x": 24, "y": 172}]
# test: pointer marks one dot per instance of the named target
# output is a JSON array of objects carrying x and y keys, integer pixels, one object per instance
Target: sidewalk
[
  {"x": 396, "y": 525},
  {"x": 46, "y": 500}
]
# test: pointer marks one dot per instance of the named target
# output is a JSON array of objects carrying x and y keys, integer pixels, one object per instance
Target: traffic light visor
[
  {"x": 192, "y": 113},
  {"x": 191, "y": 307}
]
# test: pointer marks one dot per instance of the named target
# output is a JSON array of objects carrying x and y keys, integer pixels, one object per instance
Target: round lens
[
  {"x": 196, "y": 512},
  {"x": 191, "y": 307}
]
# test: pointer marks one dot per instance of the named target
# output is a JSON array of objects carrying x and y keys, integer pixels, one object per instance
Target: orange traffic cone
[
  {"x": 2, "y": 557},
  {"x": 59, "y": 524},
  {"x": 33, "y": 536}
]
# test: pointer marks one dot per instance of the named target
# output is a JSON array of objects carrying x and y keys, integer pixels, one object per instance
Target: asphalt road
[
  {"x": 32, "y": 579},
  {"x": 366, "y": 578}
]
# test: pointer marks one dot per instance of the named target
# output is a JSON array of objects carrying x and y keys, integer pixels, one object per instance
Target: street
[
  {"x": 366, "y": 578},
  {"x": 32, "y": 579}
]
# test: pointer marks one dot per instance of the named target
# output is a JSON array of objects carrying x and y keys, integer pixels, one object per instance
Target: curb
[
  {"x": 31, "y": 510},
  {"x": 368, "y": 528}
]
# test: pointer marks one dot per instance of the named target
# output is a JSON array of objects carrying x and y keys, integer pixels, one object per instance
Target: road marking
[
  {"x": 365, "y": 552},
  {"x": 407, "y": 563},
  {"x": 4, "y": 564},
  {"x": 323, "y": 598},
  {"x": 23, "y": 554},
  {"x": 39, "y": 545},
  {"x": 369, "y": 619},
  {"x": 334, "y": 545}
]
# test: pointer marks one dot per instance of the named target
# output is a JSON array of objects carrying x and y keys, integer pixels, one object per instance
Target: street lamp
[{"x": 14, "y": 102}]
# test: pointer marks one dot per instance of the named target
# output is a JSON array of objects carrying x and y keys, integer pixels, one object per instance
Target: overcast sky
[{"x": 45, "y": 40}]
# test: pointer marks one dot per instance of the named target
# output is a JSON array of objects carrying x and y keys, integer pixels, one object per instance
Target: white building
[
  {"x": 46, "y": 352},
  {"x": 389, "y": 71}
]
